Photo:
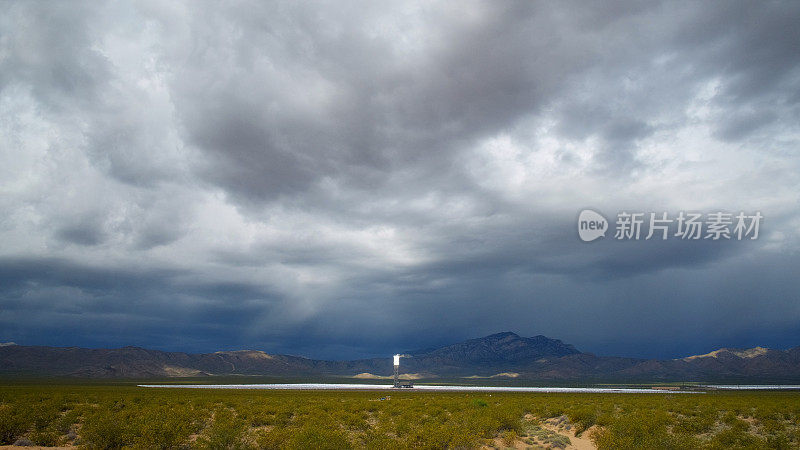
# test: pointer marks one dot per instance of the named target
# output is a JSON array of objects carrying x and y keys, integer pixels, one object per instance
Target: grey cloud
[
  {"x": 626, "y": 130},
  {"x": 377, "y": 113},
  {"x": 81, "y": 234},
  {"x": 333, "y": 179},
  {"x": 61, "y": 71},
  {"x": 740, "y": 125},
  {"x": 752, "y": 49},
  {"x": 91, "y": 301}
]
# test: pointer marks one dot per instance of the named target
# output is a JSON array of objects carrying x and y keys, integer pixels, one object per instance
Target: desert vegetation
[{"x": 124, "y": 416}]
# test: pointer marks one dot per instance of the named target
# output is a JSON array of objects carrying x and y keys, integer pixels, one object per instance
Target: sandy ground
[
  {"x": 405, "y": 376},
  {"x": 581, "y": 442},
  {"x": 559, "y": 425}
]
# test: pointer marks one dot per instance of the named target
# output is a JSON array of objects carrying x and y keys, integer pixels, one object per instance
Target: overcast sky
[{"x": 348, "y": 179}]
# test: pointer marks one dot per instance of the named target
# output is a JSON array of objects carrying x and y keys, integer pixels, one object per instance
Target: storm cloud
[{"x": 353, "y": 179}]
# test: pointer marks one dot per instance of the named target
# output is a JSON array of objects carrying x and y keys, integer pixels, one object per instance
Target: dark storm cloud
[
  {"x": 374, "y": 108},
  {"x": 335, "y": 179},
  {"x": 21, "y": 271},
  {"x": 82, "y": 234},
  {"x": 740, "y": 125},
  {"x": 753, "y": 47},
  {"x": 81, "y": 301}
]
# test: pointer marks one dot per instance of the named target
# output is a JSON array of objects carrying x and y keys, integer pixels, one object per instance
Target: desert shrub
[
  {"x": 639, "y": 430},
  {"x": 42, "y": 413},
  {"x": 274, "y": 439},
  {"x": 261, "y": 418},
  {"x": 694, "y": 424},
  {"x": 736, "y": 437},
  {"x": 509, "y": 437},
  {"x": 503, "y": 419},
  {"x": 729, "y": 417},
  {"x": 320, "y": 436},
  {"x": 46, "y": 438},
  {"x": 103, "y": 416},
  {"x": 478, "y": 403},
  {"x": 12, "y": 424},
  {"x": 283, "y": 418},
  {"x": 773, "y": 426},
  {"x": 433, "y": 435},
  {"x": 163, "y": 427},
  {"x": 64, "y": 423},
  {"x": 107, "y": 429},
  {"x": 582, "y": 417},
  {"x": 377, "y": 440},
  {"x": 779, "y": 442},
  {"x": 226, "y": 432}
]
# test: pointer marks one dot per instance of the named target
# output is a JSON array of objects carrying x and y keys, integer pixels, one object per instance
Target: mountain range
[{"x": 501, "y": 355}]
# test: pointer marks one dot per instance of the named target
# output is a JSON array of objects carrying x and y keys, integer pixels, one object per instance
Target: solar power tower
[{"x": 397, "y": 371}]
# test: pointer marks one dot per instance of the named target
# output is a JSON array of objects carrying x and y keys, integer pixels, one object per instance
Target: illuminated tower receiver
[{"x": 397, "y": 371}]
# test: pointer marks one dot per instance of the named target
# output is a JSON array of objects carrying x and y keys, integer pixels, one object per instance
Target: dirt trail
[
  {"x": 582, "y": 442},
  {"x": 560, "y": 426}
]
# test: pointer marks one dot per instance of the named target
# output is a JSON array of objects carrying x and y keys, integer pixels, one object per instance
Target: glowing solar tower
[{"x": 397, "y": 371}]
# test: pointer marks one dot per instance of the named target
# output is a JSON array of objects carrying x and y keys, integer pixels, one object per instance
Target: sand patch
[
  {"x": 551, "y": 433},
  {"x": 176, "y": 371},
  {"x": 405, "y": 376},
  {"x": 497, "y": 375},
  {"x": 505, "y": 375},
  {"x": 562, "y": 427}
]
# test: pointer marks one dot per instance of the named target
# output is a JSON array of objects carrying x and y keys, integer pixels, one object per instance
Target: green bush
[
  {"x": 478, "y": 403},
  {"x": 509, "y": 437},
  {"x": 12, "y": 424},
  {"x": 164, "y": 427},
  {"x": 107, "y": 429},
  {"x": 320, "y": 437},
  {"x": 226, "y": 432},
  {"x": 45, "y": 438},
  {"x": 639, "y": 430},
  {"x": 117, "y": 416},
  {"x": 736, "y": 438},
  {"x": 274, "y": 439},
  {"x": 583, "y": 417}
]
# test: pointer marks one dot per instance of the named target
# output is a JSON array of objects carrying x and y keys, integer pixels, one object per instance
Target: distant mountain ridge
[
  {"x": 494, "y": 353},
  {"x": 498, "y": 355},
  {"x": 505, "y": 346}
]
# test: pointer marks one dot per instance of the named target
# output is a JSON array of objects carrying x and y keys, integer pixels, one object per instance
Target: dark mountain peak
[
  {"x": 499, "y": 348},
  {"x": 508, "y": 339},
  {"x": 501, "y": 335}
]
